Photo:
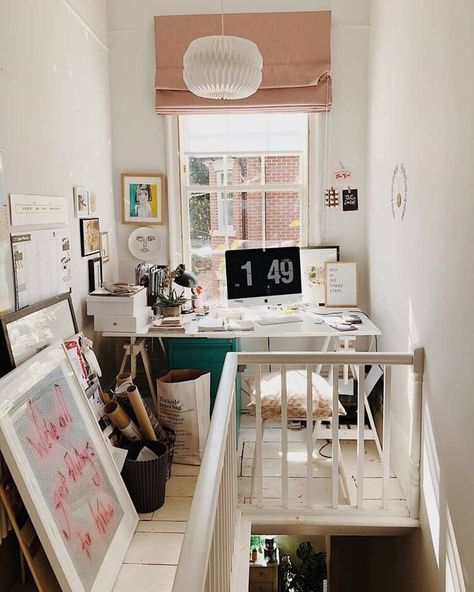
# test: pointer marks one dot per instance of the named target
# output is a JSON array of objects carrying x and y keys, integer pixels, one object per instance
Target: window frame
[
  {"x": 186, "y": 189},
  {"x": 314, "y": 170}
]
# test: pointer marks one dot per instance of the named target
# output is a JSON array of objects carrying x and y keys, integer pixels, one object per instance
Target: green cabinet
[{"x": 205, "y": 354}]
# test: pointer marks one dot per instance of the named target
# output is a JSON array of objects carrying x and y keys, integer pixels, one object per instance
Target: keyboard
[{"x": 279, "y": 320}]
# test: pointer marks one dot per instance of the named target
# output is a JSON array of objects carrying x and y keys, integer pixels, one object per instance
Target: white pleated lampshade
[{"x": 222, "y": 67}]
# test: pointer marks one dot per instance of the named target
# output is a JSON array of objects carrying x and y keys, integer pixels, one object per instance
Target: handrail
[
  {"x": 192, "y": 566},
  {"x": 197, "y": 552},
  {"x": 289, "y": 358}
]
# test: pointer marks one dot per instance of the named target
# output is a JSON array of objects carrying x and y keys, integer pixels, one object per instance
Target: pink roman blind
[{"x": 296, "y": 50}]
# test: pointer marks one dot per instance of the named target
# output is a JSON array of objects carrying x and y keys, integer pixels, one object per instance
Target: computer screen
[{"x": 265, "y": 275}]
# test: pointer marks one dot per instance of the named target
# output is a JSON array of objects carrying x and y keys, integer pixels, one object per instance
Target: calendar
[{"x": 42, "y": 264}]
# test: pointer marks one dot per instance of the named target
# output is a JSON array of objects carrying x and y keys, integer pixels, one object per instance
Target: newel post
[{"x": 415, "y": 431}]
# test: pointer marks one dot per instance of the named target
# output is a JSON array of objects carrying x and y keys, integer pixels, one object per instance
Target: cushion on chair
[{"x": 270, "y": 389}]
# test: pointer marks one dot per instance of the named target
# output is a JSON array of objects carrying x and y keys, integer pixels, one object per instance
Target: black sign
[{"x": 350, "y": 201}]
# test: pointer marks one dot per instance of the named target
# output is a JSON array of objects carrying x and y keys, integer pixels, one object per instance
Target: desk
[
  {"x": 310, "y": 326},
  {"x": 307, "y": 328}
]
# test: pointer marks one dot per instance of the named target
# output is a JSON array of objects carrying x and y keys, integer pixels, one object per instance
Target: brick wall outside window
[{"x": 282, "y": 214}]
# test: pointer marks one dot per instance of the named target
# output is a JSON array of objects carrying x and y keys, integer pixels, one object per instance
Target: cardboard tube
[
  {"x": 124, "y": 377},
  {"x": 140, "y": 412},
  {"x": 122, "y": 421},
  {"x": 106, "y": 398}
]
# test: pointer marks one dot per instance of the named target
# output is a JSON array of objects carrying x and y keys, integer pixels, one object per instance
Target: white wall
[
  {"x": 421, "y": 274},
  {"x": 55, "y": 111},
  {"x": 139, "y": 134}
]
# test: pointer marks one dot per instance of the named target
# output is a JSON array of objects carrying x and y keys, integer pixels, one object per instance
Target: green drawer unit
[{"x": 204, "y": 354}]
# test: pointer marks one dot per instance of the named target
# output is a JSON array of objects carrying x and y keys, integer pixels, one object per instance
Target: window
[{"x": 244, "y": 185}]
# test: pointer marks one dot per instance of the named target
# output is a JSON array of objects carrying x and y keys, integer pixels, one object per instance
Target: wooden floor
[
  {"x": 151, "y": 560},
  {"x": 297, "y": 457}
]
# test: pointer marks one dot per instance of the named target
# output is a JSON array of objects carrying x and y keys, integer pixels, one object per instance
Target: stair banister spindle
[
  {"x": 284, "y": 437},
  {"x": 258, "y": 439},
  {"x": 387, "y": 395},
  {"x": 415, "y": 431},
  {"x": 335, "y": 436},
  {"x": 309, "y": 435},
  {"x": 360, "y": 436}
]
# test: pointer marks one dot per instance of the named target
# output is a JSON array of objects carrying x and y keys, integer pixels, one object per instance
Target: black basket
[{"x": 146, "y": 480}]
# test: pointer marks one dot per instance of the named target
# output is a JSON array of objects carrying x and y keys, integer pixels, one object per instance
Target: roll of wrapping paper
[
  {"x": 123, "y": 377},
  {"x": 140, "y": 412},
  {"x": 122, "y": 421}
]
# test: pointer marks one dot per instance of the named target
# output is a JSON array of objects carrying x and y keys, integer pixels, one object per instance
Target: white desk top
[{"x": 310, "y": 326}]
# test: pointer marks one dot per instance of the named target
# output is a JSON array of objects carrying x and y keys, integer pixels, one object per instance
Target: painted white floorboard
[
  {"x": 151, "y": 560},
  {"x": 297, "y": 463}
]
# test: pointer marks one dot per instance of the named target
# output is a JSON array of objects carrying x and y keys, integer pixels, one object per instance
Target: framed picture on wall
[
  {"x": 144, "y": 198},
  {"x": 95, "y": 274},
  {"x": 105, "y": 246},
  {"x": 90, "y": 236},
  {"x": 81, "y": 201},
  {"x": 92, "y": 203}
]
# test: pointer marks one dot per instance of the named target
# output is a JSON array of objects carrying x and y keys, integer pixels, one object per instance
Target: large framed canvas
[
  {"x": 65, "y": 473},
  {"x": 143, "y": 198},
  {"x": 313, "y": 274},
  {"x": 26, "y": 332}
]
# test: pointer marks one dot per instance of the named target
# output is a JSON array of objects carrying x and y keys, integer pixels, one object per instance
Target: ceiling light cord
[{"x": 222, "y": 18}]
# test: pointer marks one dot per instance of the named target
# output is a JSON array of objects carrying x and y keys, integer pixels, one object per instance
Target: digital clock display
[{"x": 253, "y": 273}]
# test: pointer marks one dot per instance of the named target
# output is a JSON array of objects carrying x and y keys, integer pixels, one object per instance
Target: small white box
[
  {"x": 102, "y": 303},
  {"x": 122, "y": 323}
]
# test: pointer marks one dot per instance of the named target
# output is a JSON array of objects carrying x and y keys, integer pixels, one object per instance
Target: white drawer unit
[
  {"x": 101, "y": 303},
  {"x": 263, "y": 576},
  {"x": 122, "y": 323}
]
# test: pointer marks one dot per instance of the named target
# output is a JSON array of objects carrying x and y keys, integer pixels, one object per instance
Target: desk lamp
[{"x": 185, "y": 279}]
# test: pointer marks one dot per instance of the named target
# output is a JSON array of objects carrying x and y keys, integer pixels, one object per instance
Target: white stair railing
[
  {"x": 337, "y": 361},
  {"x": 208, "y": 554}
]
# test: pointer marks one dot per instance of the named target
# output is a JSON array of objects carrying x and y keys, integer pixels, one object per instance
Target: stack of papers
[
  {"x": 211, "y": 324},
  {"x": 174, "y": 324}
]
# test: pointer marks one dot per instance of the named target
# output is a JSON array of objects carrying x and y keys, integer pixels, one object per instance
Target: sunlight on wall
[
  {"x": 431, "y": 482},
  {"x": 454, "y": 575}
]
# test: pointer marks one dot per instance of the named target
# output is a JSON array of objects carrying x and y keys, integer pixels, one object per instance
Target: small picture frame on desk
[
  {"x": 341, "y": 284},
  {"x": 313, "y": 274},
  {"x": 95, "y": 274}
]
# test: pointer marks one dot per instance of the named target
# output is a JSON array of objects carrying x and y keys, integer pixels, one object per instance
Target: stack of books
[{"x": 171, "y": 324}]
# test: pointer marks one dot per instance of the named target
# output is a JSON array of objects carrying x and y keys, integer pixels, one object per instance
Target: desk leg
[
  {"x": 325, "y": 348},
  {"x": 147, "y": 367},
  {"x": 124, "y": 360},
  {"x": 133, "y": 357},
  {"x": 369, "y": 414}
]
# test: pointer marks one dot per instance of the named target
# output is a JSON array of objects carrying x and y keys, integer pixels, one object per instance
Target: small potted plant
[{"x": 169, "y": 300}]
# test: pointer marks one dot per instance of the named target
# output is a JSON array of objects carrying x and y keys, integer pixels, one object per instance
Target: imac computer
[{"x": 263, "y": 276}]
